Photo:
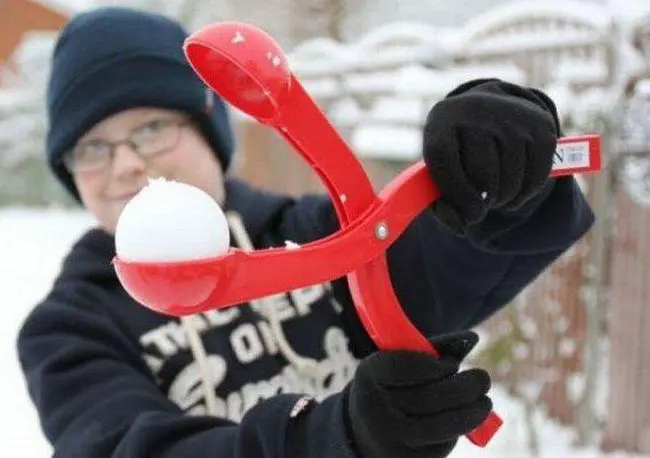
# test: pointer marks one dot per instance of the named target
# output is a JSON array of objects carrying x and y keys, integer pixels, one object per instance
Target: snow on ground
[{"x": 33, "y": 244}]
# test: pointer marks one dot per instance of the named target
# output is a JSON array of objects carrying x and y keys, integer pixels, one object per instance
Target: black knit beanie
[{"x": 114, "y": 58}]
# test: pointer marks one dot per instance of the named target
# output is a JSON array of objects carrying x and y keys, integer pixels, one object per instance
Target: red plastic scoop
[{"x": 248, "y": 69}]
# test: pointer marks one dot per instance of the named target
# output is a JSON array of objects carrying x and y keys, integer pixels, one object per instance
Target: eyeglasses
[{"x": 148, "y": 140}]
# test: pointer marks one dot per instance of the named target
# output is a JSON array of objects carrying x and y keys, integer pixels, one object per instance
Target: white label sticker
[{"x": 573, "y": 155}]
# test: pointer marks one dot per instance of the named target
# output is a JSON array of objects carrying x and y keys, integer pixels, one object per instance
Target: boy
[{"x": 299, "y": 378}]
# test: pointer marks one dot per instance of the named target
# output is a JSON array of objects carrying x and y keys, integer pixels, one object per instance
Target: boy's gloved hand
[
  {"x": 488, "y": 145},
  {"x": 411, "y": 405}
]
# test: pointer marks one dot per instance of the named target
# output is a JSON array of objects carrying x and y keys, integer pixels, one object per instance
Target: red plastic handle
[{"x": 182, "y": 288}]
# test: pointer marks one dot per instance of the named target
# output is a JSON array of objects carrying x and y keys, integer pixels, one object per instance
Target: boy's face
[{"x": 170, "y": 146}]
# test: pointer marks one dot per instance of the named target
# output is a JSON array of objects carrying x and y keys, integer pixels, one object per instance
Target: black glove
[
  {"x": 411, "y": 405},
  {"x": 488, "y": 145}
]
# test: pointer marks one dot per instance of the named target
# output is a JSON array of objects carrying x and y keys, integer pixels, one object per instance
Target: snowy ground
[{"x": 33, "y": 243}]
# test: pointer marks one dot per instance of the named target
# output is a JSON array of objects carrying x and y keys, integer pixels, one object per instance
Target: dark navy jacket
[{"x": 111, "y": 378}]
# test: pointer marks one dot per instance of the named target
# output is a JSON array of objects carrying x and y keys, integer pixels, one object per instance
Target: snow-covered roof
[
  {"x": 69, "y": 7},
  {"x": 34, "y": 45},
  {"x": 502, "y": 15},
  {"x": 32, "y": 56},
  {"x": 14, "y": 97}
]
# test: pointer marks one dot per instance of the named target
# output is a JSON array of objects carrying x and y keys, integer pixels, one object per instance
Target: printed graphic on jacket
[{"x": 243, "y": 355}]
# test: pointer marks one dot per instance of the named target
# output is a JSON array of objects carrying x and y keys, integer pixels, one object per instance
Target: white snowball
[{"x": 171, "y": 221}]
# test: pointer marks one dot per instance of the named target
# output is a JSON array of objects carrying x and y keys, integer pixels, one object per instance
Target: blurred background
[{"x": 571, "y": 358}]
